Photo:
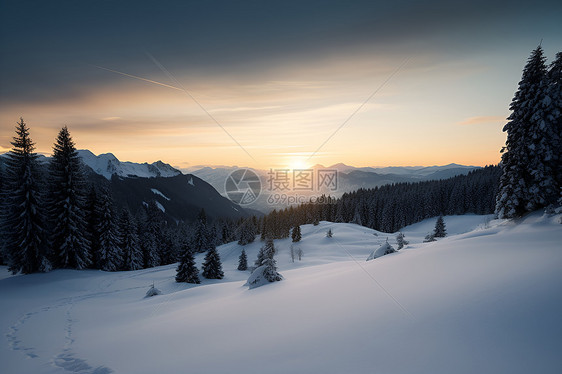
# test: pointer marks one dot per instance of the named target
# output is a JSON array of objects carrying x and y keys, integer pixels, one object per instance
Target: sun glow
[{"x": 297, "y": 163}]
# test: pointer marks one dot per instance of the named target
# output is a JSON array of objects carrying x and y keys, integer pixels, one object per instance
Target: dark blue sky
[{"x": 48, "y": 47}]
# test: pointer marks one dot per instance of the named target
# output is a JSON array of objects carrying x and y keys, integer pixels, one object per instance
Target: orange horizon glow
[{"x": 280, "y": 122}]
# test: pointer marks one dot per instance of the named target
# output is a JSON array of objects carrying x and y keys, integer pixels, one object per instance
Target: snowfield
[{"x": 485, "y": 299}]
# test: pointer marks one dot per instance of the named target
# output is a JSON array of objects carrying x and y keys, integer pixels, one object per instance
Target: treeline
[
  {"x": 51, "y": 217},
  {"x": 391, "y": 207}
]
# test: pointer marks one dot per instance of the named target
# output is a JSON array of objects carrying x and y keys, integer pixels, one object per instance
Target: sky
[{"x": 270, "y": 83}]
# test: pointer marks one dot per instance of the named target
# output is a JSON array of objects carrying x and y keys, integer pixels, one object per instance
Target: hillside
[{"x": 484, "y": 299}]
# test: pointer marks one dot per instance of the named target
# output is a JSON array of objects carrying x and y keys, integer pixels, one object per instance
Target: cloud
[{"x": 482, "y": 120}]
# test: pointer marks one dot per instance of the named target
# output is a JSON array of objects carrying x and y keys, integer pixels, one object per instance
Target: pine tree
[
  {"x": 544, "y": 146},
  {"x": 247, "y": 233},
  {"x": 243, "y": 261},
  {"x": 24, "y": 242},
  {"x": 212, "y": 266},
  {"x": 202, "y": 240},
  {"x": 71, "y": 248},
  {"x": 109, "y": 256},
  {"x": 148, "y": 239},
  {"x": 401, "y": 241},
  {"x": 296, "y": 234},
  {"x": 270, "y": 272},
  {"x": 92, "y": 223},
  {"x": 265, "y": 251},
  {"x": 554, "y": 116},
  {"x": 187, "y": 271},
  {"x": 2, "y": 210},
  {"x": 129, "y": 242},
  {"x": 522, "y": 170},
  {"x": 430, "y": 237},
  {"x": 440, "y": 231}
]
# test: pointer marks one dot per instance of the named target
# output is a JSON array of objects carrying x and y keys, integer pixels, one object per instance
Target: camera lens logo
[{"x": 242, "y": 186}]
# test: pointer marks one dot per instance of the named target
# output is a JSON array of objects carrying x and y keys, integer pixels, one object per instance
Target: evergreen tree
[
  {"x": 70, "y": 246},
  {"x": 109, "y": 256},
  {"x": 520, "y": 189},
  {"x": 2, "y": 210},
  {"x": 129, "y": 242},
  {"x": 401, "y": 241},
  {"x": 92, "y": 209},
  {"x": 187, "y": 271},
  {"x": 247, "y": 233},
  {"x": 430, "y": 237},
  {"x": 202, "y": 239},
  {"x": 264, "y": 252},
  {"x": 24, "y": 236},
  {"x": 243, "y": 261},
  {"x": 554, "y": 116},
  {"x": 544, "y": 145},
  {"x": 212, "y": 266},
  {"x": 152, "y": 238},
  {"x": 270, "y": 272},
  {"x": 296, "y": 234},
  {"x": 440, "y": 231}
]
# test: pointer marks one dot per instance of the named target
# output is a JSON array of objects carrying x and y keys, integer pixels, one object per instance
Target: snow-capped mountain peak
[{"x": 107, "y": 164}]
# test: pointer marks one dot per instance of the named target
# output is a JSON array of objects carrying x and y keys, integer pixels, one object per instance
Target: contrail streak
[{"x": 139, "y": 78}]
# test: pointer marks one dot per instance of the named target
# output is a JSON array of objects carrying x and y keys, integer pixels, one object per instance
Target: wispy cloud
[{"x": 482, "y": 120}]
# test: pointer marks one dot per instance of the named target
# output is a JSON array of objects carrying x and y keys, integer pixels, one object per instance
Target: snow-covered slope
[
  {"x": 107, "y": 165},
  {"x": 486, "y": 300}
]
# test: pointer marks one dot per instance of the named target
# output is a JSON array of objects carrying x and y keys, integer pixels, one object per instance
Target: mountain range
[
  {"x": 182, "y": 193},
  {"x": 180, "y": 196},
  {"x": 349, "y": 178}
]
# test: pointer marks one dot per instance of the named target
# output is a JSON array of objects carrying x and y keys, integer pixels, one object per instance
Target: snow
[
  {"x": 156, "y": 192},
  {"x": 257, "y": 278},
  {"x": 384, "y": 249},
  {"x": 160, "y": 206},
  {"x": 477, "y": 301},
  {"x": 107, "y": 165}
]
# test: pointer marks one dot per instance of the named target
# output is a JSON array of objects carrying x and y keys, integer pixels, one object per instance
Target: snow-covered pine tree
[
  {"x": 67, "y": 195},
  {"x": 517, "y": 181},
  {"x": 109, "y": 256},
  {"x": 152, "y": 237},
  {"x": 554, "y": 115},
  {"x": 270, "y": 272},
  {"x": 267, "y": 248},
  {"x": 247, "y": 233},
  {"x": 430, "y": 237},
  {"x": 440, "y": 230},
  {"x": 2, "y": 210},
  {"x": 243, "y": 261},
  {"x": 212, "y": 266},
  {"x": 201, "y": 240},
  {"x": 187, "y": 271},
  {"x": 147, "y": 240},
  {"x": 129, "y": 242},
  {"x": 25, "y": 245},
  {"x": 401, "y": 241},
  {"x": 544, "y": 146},
  {"x": 296, "y": 235}
]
